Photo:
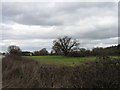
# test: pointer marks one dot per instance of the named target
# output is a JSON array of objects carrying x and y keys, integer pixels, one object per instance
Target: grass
[
  {"x": 59, "y": 60},
  {"x": 115, "y": 57}
]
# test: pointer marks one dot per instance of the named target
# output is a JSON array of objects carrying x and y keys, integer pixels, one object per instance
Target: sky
[{"x": 34, "y": 25}]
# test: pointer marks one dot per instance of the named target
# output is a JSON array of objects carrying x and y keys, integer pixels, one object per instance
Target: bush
[{"x": 21, "y": 73}]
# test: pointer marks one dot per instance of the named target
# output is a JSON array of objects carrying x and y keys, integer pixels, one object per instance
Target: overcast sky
[{"x": 33, "y": 26}]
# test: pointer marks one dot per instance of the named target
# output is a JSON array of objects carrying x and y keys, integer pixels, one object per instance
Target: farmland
[{"x": 61, "y": 60}]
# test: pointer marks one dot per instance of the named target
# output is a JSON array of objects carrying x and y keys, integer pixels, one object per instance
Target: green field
[{"x": 61, "y": 60}]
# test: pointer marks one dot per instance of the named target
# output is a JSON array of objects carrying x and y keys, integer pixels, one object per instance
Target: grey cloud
[
  {"x": 51, "y": 14},
  {"x": 97, "y": 33},
  {"x": 32, "y": 20},
  {"x": 73, "y": 6},
  {"x": 29, "y": 14},
  {"x": 89, "y": 44},
  {"x": 78, "y": 20},
  {"x": 102, "y": 33}
]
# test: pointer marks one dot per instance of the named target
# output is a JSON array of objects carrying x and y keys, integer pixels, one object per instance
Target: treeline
[
  {"x": 99, "y": 51},
  {"x": 80, "y": 52},
  {"x": 66, "y": 46}
]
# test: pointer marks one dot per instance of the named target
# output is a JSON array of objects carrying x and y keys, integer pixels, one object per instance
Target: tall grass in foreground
[{"x": 21, "y": 73}]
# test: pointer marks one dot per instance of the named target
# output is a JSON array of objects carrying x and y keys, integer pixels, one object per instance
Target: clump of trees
[
  {"x": 14, "y": 50},
  {"x": 68, "y": 47},
  {"x": 42, "y": 52},
  {"x": 99, "y": 51}
]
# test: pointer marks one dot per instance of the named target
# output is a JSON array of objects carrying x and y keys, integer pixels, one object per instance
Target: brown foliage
[{"x": 20, "y": 73}]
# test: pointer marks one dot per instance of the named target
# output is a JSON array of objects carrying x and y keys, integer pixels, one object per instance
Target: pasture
[{"x": 61, "y": 60}]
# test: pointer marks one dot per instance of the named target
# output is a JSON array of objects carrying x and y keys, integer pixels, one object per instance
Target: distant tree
[
  {"x": 52, "y": 52},
  {"x": 43, "y": 51},
  {"x": 82, "y": 52},
  {"x": 36, "y": 53},
  {"x": 96, "y": 51},
  {"x": 56, "y": 50},
  {"x": 88, "y": 53},
  {"x": 14, "y": 50},
  {"x": 64, "y": 45}
]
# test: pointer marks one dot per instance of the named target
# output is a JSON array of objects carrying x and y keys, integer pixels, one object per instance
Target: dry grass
[{"x": 22, "y": 73}]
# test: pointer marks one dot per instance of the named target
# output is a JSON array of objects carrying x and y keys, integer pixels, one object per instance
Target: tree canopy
[
  {"x": 14, "y": 50},
  {"x": 65, "y": 45}
]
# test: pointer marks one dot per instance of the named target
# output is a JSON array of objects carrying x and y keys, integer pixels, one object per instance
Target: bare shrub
[{"x": 22, "y": 73}]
